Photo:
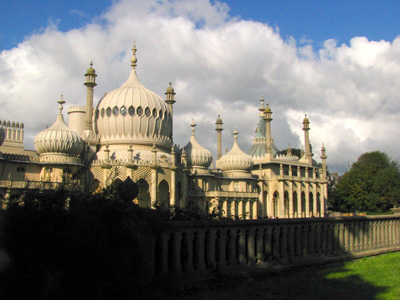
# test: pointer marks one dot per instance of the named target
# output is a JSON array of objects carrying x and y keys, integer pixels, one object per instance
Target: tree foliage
[{"x": 372, "y": 184}]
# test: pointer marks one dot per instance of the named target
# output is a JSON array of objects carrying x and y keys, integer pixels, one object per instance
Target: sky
[{"x": 337, "y": 61}]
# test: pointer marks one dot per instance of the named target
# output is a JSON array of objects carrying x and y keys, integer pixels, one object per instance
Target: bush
[{"x": 96, "y": 249}]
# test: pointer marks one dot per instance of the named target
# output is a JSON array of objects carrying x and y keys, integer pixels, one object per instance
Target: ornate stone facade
[{"x": 130, "y": 133}]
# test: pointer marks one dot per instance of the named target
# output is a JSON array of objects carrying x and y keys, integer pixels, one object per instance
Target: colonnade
[
  {"x": 295, "y": 200},
  {"x": 262, "y": 245}
]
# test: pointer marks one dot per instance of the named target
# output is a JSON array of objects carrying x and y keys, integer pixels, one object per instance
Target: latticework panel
[
  {"x": 165, "y": 174},
  {"x": 97, "y": 173},
  {"x": 142, "y": 172}
]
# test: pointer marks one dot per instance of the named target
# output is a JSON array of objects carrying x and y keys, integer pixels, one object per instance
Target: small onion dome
[
  {"x": 170, "y": 89},
  {"x": 90, "y": 70},
  {"x": 219, "y": 120},
  {"x": 59, "y": 139},
  {"x": 236, "y": 159},
  {"x": 305, "y": 120},
  {"x": 197, "y": 156}
]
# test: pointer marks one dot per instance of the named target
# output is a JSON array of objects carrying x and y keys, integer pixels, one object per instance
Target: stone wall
[{"x": 196, "y": 251}]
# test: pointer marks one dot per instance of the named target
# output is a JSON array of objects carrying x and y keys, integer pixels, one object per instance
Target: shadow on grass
[{"x": 331, "y": 281}]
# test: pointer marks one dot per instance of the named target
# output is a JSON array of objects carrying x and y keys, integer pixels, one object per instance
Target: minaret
[
  {"x": 218, "y": 129},
  {"x": 323, "y": 160},
  {"x": 170, "y": 93},
  {"x": 306, "y": 128},
  {"x": 90, "y": 84},
  {"x": 268, "y": 119}
]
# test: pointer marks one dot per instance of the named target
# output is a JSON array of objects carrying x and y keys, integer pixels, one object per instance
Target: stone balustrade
[{"x": 197, "y": 250}]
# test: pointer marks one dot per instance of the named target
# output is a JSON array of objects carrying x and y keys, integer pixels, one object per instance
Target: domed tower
[
  {"x": 58, "y": 143},
  {"x": 262, "y": 143},
  {"x": 198, "y": 157},
  {"x": 133, "y": 115},
  {"x": 236, "y": 163}
]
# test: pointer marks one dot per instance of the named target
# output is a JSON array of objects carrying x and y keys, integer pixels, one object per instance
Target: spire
[
  {"x": 262, "y": 103},
  {"x": 90, "y": 84},
  {"x": 61, "y": 102},
  {"x": 268, "y": 119},
  {"x": 306, "y": 128},
  {"x": 218, "y": 128},
  {"x": 134, "y": 59},
  {"x": 193, "y": 124},
  {"x": 235, "y": 133},
  {"x": 323, "y": 160}
]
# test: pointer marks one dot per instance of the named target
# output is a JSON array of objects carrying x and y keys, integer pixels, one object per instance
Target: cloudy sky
[{"x": 339, "y": 63}]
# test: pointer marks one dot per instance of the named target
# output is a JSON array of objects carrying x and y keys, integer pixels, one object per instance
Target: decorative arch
[
  {"x": 275, "y": 204},
  {"x": 311, "y": 204},
  {"x": 163, "y": 194},
  {"x": 318, "y": 204},
  {"x": 286, "y": 203},
  {"x": 295, "y": 205},
  {"x": 143, "y": 198},
  {"x": 303, "y": 205}
]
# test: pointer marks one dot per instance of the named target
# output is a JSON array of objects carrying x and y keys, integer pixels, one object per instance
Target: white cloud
[{"x": 218, "y": 64}]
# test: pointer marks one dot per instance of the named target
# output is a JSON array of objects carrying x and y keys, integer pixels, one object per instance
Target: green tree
[{"x": 371, "y": 184}]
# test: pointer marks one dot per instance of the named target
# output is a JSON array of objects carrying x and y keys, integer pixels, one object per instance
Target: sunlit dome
[
  {"x": 58, "y": 142},
  {"x": 132, "y": 114},
  {"x": 235, "y": 161},
  {"x": 197, "y": 156}
]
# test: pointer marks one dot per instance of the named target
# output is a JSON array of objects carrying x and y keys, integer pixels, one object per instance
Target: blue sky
[
  {"x": 301, "y": 19},
  {"x": 337, "y": 61}
]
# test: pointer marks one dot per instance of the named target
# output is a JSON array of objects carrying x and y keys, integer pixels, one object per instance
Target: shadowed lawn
[{"x": 375, "y": 277}]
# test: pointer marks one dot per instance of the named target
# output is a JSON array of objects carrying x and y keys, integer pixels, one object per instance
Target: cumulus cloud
[{"x": 219, "y": 64}]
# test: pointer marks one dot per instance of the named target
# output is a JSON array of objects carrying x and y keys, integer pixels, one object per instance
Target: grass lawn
[{"x": 376, "y": 277}]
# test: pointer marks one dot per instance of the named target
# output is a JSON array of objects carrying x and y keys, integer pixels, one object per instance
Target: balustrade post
[
  {"x": 199, "y": 250},
  {"x": 240, "y": 247},
  {"x": 259, "y": 245},
  {"x": 189, "y": 245},
  {"x": 267, "y": 243},
  {"x": 290, "y": 242},
  {"x": 251, "y": 260},
  {"x": 220, "y": 255}
]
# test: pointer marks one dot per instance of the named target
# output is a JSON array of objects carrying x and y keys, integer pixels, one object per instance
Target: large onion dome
[
  {"x": 236, "y": 163},
  {"x": 197, "y": 156},
  {"x": 132, "y": 114},
  {"x": 58, "y": 143}
]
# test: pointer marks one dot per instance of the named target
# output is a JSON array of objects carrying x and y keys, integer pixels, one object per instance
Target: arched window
[
  {"x": 311, "y": 201},
  {"x": 163, "y": 194},
  {"x": 286, "y": 201},
  {"x": 275, "y": 204},
  {"x": 303, "y": 205},
  {"x": 295, "y": 205},
  {"x": 144, "y": 193}
]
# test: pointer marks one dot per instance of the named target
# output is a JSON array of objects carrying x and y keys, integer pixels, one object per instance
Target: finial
[
  {"x": 235, "y": 133},
  {"x": 262, "y": 101},
  {"x": 91, "y": 63},
  {"x": 193, "y": 124},
  {"x": 134, "y": 59},
  {"x": 61, "y": 102}
]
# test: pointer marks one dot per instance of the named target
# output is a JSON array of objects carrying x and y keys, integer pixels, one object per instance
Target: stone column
[
  {"x": 173, "y": 187},
  {"x": 153, "y": 189},
  {"x": 282, "y": 199},
  {"x": 291, "y": 206},
  {"x": 315, "y": 206},
  {"x": 307, "y": 200}
]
